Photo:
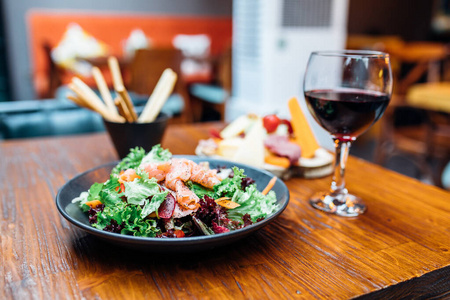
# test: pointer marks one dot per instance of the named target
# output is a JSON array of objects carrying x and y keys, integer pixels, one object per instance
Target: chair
[
  {"x": 54, "y": 84},
  {"x": 145, "y": 71},
  {"x": 54, "y": 75},
  {"x": 427, "y": 138},
  {"x": 209, "y": 100},
  {"x": 31, "y": 118}
]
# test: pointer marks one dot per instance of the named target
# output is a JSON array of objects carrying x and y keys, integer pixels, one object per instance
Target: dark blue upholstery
[
  {"x": 20, "y": 119},
  {"x": 209, "y": 93},
  {"x": 33, "y": 118}
]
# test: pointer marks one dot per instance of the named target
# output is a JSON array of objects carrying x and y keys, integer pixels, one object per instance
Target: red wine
[{"x": 346, "y": 113}]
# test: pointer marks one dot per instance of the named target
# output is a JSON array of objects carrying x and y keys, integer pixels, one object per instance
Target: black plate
[{"x": 83, "y": 182}]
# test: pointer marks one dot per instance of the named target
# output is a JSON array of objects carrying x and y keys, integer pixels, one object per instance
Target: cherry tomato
[{"x": 271, "y": 123}]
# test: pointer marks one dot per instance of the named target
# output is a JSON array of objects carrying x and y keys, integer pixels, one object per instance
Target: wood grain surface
[{"x": 399, "y": 249}]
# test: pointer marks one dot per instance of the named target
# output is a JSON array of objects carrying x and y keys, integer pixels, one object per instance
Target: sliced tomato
[
  {"x": 165, "y": 210},
  {"x": 121, "y": 188}
]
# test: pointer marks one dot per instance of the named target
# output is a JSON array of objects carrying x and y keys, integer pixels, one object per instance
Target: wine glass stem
[{"x": 342, "y": 151}]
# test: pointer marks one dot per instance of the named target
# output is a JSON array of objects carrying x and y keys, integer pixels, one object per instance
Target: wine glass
[{"x": 346, "y": 92}]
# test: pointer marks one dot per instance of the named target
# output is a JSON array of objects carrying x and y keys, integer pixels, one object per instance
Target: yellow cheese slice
[
  {"x": 252, "y": 151},
  {"x": 304, "y": 136}
]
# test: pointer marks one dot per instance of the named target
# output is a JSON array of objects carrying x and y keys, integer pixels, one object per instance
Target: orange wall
[{"x": 112, "y": 29}]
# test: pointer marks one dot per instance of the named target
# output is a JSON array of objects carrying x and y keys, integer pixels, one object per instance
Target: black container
[{"x": 126, "y": 136}]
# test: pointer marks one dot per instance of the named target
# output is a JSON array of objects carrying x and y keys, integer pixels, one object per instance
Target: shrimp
[
  {"x": 179, "y": 173},
  {"x": 128, "y": 175},
  {"x": 180, "y": 212},
  {"x": 185, "y": 197},
  {"x": 207, "y": 178},
  {"x": 176, "y": 172},
  {"x": 157, "y": 170},
  {"x": 181, "y": 169}
]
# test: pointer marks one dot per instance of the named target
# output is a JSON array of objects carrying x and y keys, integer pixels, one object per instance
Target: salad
[{"x": 156, "y": 195}]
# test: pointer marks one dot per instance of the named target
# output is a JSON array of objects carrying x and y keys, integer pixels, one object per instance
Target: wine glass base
[{"x": 341, "y": 204}]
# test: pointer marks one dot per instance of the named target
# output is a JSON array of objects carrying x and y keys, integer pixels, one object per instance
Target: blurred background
[{"x": 232, "y": 57}]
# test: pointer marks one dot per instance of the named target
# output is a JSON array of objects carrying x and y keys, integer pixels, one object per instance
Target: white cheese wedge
[
  {"x": 227, "y": 148},
  {"x": 252, "y": 151},
  {"x": 237, "y": 127}
]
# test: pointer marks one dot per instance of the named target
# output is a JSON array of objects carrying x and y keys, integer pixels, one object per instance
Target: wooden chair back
[
  {"x": 429, "y": 139},
  {"x": 222, "y": 77},
  {"x": 224, "y": 67},
  {"x": 146, "y": 69},
  {"x": 54, "y": 75}
]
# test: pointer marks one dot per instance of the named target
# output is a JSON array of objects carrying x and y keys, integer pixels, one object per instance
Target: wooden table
[{"x": 399, "y": 248}]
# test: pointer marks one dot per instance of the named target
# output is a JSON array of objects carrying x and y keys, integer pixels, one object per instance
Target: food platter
[
  {"x": 284, "y": 148},
  {"x": 78, "y": 218},
  {"x": 318, "y": 166}
]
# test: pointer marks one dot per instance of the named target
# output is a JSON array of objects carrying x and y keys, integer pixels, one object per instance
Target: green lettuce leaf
[
  {"x": 140, "y": 189},
  {"x": 199, "y": 190},
  {"x": 109, "y": 213},
  {"x": 94, "y": 191},
  {"x": 131, "y": 161},
  {"x": 254, "y": 203},
  {"x": 157, "y": 154},
  {"x": 153, "y": 204},
  {"x": 92, "y": 194},
  {"x": 228, "y": 186},
  {"x": 130, "y": 217},
  {"x": 251, "y": 201},
  {"x": 109, "y": 195}
]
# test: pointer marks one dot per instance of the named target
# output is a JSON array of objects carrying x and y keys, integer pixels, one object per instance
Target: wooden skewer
[
  {"x": 96, "y": 102},
  {"x": 123, "y": 109},
  {"x": 81, "y": 98},
  {"x": 115, "y": 72},
  {"x": 90, "y": 96},
  {"x": 129, "y": 104},
  {"x": 119, "y": 107},
  {"x": 165, "y": 94},
  {"x": 79, "y": 101},
  {"x": 103, "y": 88},
  {"x": 79, "y": 88},
  {"x": 150, "y": 105},
  {"x": 119, "y": 87},
  {"x": 160, "y": 94}
]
